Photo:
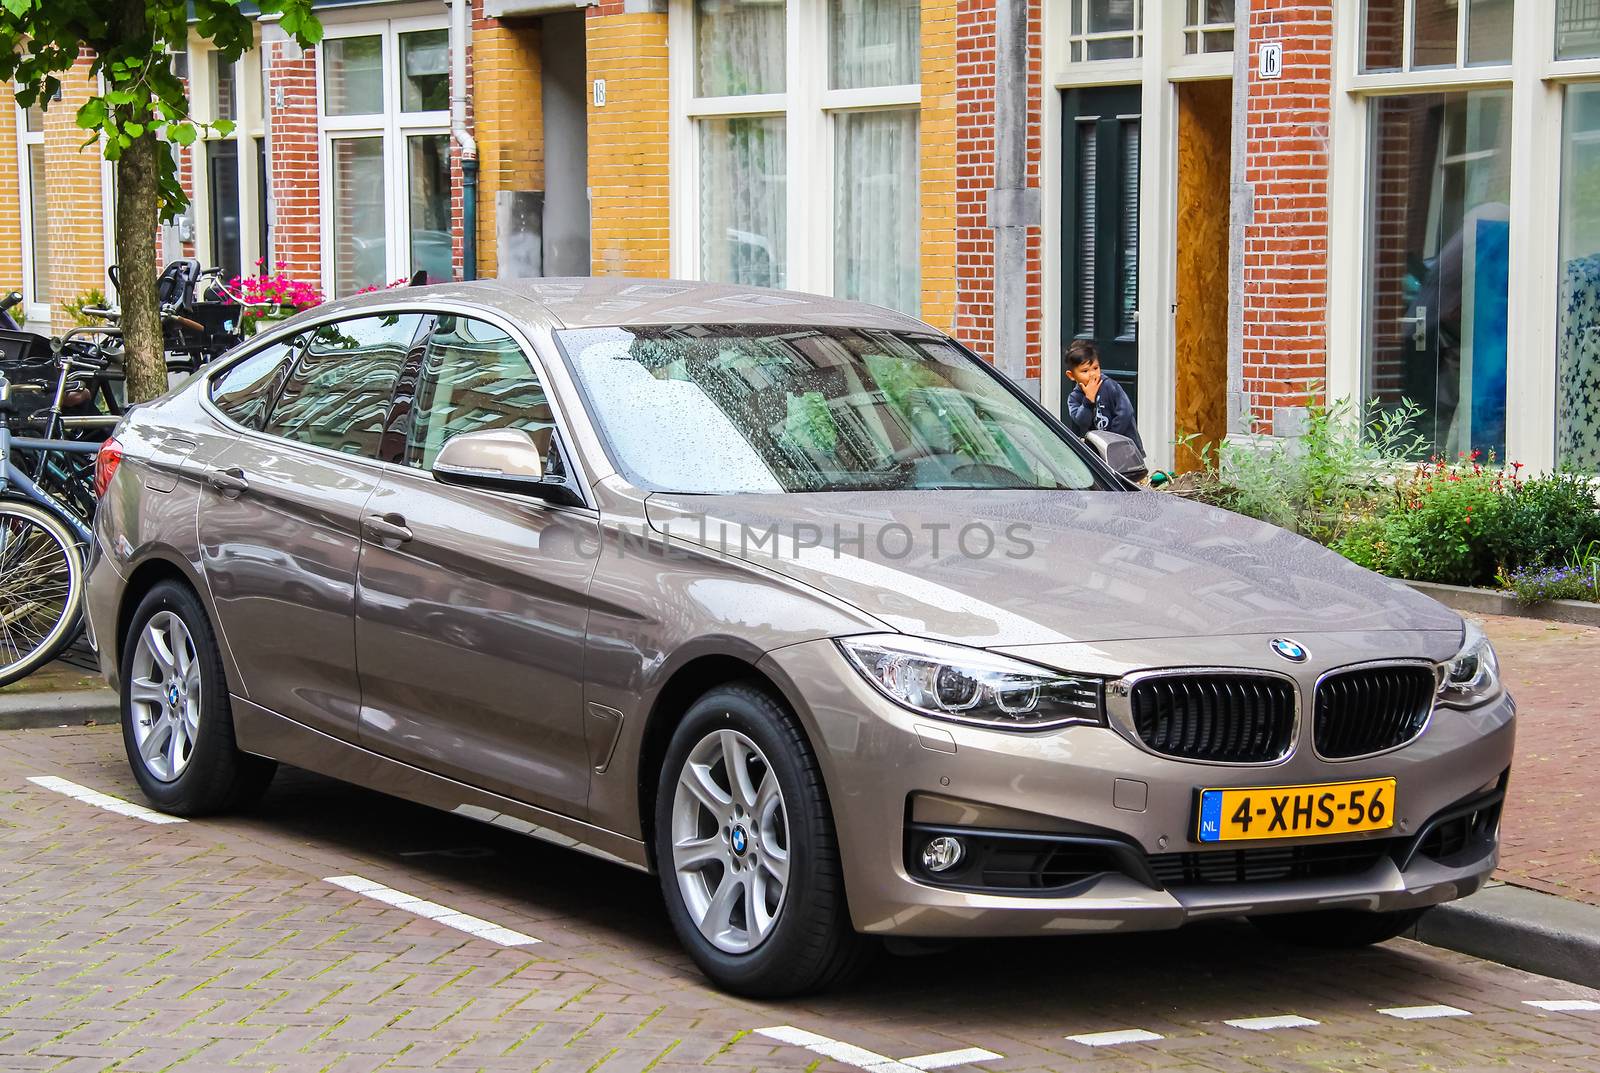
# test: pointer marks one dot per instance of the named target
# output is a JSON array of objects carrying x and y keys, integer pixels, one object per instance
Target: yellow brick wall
[
  {"x": 72, "y": 196},
  {"x": 11, "y": 206},
  {"x": 77, "y": 223},
  {"x": 510, "y": 121},
  {"x": 630, "y": 206},
  {"x": 938, "y": 162}
]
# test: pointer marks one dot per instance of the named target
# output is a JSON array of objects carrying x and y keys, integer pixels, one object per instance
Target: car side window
[
  {"x": 337, "y": 395},
  {"x": 245, "y": 392},
  {"x": 474, "y": 377}
]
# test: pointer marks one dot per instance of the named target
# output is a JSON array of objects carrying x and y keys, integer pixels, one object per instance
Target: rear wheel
[
  {"x": 1338, "y": 929},
  {"x": 41, "y": 588},
  {"x": 746, "y": 851},
  {"x": 177, "y": 724}
]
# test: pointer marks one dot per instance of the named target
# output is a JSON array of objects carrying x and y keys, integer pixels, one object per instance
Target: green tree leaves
[{"x": 131, "y": 46}]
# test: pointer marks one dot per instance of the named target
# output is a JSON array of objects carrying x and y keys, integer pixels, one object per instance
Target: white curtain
[
  {"x": 874, "y": 43},
  {"x": 876, "y": 254},
  {"x": 739, "y": 47},
  {"x": 743, "y": 217}
]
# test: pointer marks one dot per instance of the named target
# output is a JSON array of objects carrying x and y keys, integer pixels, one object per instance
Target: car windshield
[{"x": 719, "y": 409}]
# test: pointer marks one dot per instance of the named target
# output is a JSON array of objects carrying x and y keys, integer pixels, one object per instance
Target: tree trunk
[{"x": 138, "y": 215}]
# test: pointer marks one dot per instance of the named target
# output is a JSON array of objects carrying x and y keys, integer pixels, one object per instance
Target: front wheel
[
  {"x": 1338, "y": 929},
  {"x": 41, "y": 588},
  {"x": 746, "y": 851}
]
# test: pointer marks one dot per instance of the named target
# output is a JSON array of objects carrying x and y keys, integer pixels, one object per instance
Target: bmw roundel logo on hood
[{"x": 1293, "y": 651}]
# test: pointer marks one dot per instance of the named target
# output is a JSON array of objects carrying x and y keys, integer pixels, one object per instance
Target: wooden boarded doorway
[{"x": 1204, "y": 132}]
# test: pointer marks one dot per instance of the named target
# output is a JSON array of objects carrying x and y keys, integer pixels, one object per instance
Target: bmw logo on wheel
[{"x": 1293, "y": 651}]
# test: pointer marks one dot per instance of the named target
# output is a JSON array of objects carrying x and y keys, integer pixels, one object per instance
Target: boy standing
[{"x": 1097, "y": 401}]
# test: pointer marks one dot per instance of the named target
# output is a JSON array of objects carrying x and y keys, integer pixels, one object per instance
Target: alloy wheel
[
  {"x": 730, "y": 841},
  {"x": 165, "y": 696}
]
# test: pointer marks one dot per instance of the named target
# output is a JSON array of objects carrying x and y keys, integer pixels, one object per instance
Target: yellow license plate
[{"x": 1329, "y": 808}]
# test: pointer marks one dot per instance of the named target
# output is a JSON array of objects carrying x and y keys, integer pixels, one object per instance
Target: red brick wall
[
  {"x": 975, "y": 176},
  {"x": 292, "y": 156},
  {"x": 1286, "y": 242}
]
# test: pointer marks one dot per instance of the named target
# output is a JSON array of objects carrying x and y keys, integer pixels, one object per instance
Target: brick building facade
[{"x": 1247, "y": 204}]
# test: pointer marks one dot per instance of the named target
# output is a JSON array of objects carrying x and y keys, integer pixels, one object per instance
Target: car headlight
[
  {"x": 970, "y": 685},
  {"x": 1472, "y": 675}
]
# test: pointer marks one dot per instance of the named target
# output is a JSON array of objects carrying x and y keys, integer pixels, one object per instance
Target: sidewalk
[
  {"x": 1551, "y": 828},
  {"x": 1543, "y": 913},
  {"x": 61, "y": 694}
]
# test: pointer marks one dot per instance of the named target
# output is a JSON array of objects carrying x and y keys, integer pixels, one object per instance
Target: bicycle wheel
[{"x": 41, "y": 588}]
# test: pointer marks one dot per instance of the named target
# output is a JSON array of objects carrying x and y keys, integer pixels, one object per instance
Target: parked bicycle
[{"x": 43, "y": 551}]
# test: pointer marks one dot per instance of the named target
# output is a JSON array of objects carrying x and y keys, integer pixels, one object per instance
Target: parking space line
[
  {"x": 439, "y": 914},
  {"x": 1563, "y": 1005},
  {"x": 1114, "y": 1038},
  {"x": 103, "y": 801},
  {"x": 946, "y": 1059},
  {"x": 1419, "y": 1013},
  {"x": 848, "y": 1053},
  {"x": 1267, "y": 1024}
]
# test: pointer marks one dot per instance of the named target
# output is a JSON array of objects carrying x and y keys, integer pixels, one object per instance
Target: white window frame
[
  {"x": 392, "y": 125},
  {"x": 34, "y": 311},
  {"x": 1537, "y": 83},
  {"x": 1080, "y": 42},
  {"x": 249, "y": 124},
  {"x": 809, "y": 108}
]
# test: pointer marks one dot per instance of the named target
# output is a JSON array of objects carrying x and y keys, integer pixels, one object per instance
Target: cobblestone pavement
[
  {"x": 219, "y": 944},
  {"x": 1551, "y": 828}
]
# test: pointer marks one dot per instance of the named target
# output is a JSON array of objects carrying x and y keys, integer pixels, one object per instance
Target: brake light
[{"x": 105, "y": 466}]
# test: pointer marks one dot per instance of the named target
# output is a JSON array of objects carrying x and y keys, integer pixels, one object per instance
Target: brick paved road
[
  {"x": 217, "y": 945},
  {"x": 1552, "y": 822}
]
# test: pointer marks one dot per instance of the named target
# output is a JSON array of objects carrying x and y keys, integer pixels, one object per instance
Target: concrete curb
[
  {"x": 1523, "y": 928},
  {"x": 1494, "y": 602},
  {"x": 34, "y": 711}
]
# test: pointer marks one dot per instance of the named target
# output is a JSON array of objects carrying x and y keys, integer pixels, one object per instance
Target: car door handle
[
  {"x": 387, "y": 528},
  {"x": 229, "y": 482}
]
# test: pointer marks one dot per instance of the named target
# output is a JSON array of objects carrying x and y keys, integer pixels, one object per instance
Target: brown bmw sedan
[{"x": 790, "y": 601}]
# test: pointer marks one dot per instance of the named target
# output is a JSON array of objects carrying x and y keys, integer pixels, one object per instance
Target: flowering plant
[
  {"x": 271, "y": 297},
  {"x": 401, "y": 282}
]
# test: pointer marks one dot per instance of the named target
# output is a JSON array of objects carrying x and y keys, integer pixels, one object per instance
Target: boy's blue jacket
[{"x": 1111, "y": 411}]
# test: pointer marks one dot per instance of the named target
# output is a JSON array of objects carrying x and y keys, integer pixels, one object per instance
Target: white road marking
[
  {"x": 440, "y": 914},
  {"x": 946, "y": 1059},
  {"x": 1266, "y": 1024},
  {"x": 1112, "y": 1039},
  {"x": 1418, "y": 1013},
  {"x": 105, "y": 801},
  {"x": 848, "y": 1053},
  {"x": 1564, "y": 1005}
]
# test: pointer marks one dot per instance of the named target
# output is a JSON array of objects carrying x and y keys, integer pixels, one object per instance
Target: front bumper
[{"x": 894, "y": 776}]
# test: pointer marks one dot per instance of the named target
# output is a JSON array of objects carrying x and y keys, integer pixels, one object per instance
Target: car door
[
  {"x": 472, "y": 603},
  {"x": 279, "y": 521}
]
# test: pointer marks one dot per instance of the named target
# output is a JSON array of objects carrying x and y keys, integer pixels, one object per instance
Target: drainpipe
[
  {"x": 464, "y": 138},
  {"x": 1013, "y": 205}
]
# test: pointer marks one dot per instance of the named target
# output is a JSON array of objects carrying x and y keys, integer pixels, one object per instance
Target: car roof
[{"x": 616, "y": 301}]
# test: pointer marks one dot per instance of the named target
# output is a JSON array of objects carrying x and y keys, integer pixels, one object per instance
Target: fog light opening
[{"x": 942, "y": 853}]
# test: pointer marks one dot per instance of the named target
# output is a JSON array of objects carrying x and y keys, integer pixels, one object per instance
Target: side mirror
[
  {"x": 504, "y": 458},
  {"x": 1119, "y": 452}
]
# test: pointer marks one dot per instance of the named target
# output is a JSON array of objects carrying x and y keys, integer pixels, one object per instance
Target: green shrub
[
  {"x": 1441, "y": 523},
  {"x": 1314, "y": 484}
]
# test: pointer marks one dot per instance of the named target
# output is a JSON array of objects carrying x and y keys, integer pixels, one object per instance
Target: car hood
[{"x": 991, "y": 568}]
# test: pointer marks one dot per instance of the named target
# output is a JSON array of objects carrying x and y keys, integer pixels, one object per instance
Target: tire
[
  {"x": 41, "y": 588},
  {"x": 1338, "y": 929},
  {"x": 745, "y": 939},
  {"x": 177, "y": 724}
]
